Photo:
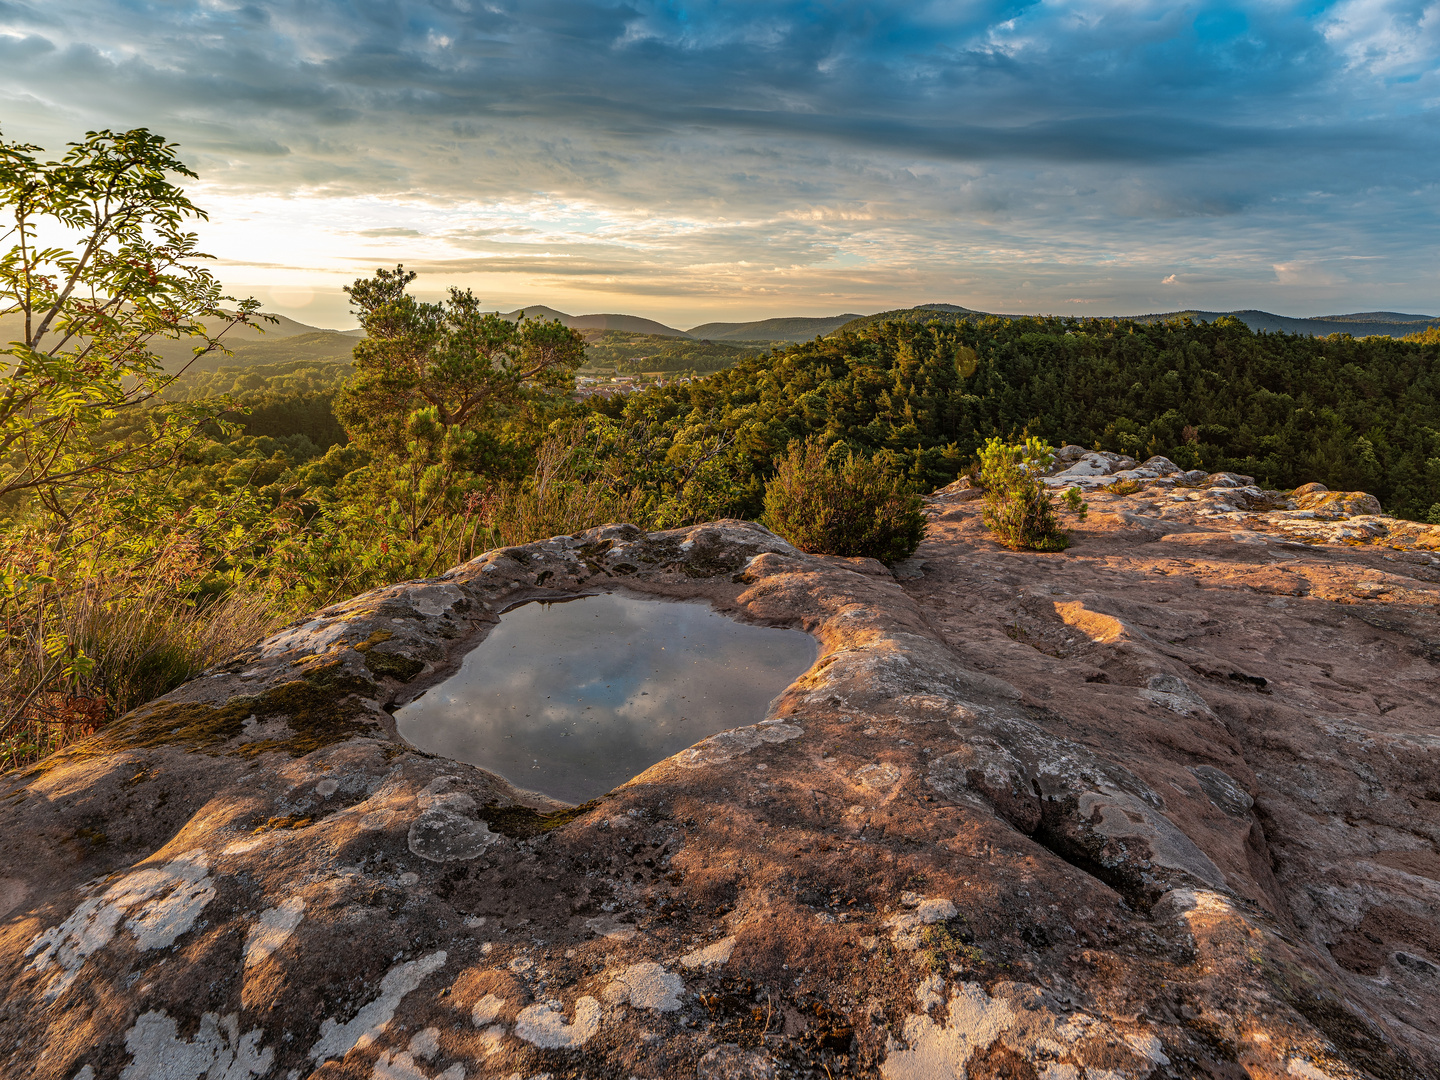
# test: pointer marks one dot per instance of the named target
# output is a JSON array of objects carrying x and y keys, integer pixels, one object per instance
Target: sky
[{"x": 692, "y": 162}]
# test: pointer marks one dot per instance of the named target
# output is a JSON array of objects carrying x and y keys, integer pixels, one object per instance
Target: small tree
[
  {"x": 450, "y": 358},
  {"x": 827, "y": 505},
  {"x": 1018, "y": 509},
  {"x": 87, "y": 314}
]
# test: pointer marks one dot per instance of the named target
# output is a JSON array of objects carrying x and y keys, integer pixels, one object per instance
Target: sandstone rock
[
  {"x": 1228, "y": 480},
  {"x": 1142, "y": 809},
  {"x": 1348, "y": 503},
  {"x": 1161, "y": 466},
  {"x": 1088, "y": 467}
]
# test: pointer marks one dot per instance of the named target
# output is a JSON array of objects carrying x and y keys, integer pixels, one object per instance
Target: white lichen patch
[
  {"x": 646, "y": 985},
  {"x": 309, "y": 638},
  {"x": 433, "y": 600},
  {"x": 169, "y": 899},
  {"x": 930, "y": 992},
  {"x": 165, "y": 900},
  {"x": 611, "y": 927},
  {"x": 337, "y": 1039},
  {"x": 244, "y": 847},
  {"x": 907, "y": 927},
  {"x": 486, "y": 1010},
  {"x": 218, "y": 1050},
  {"x": 271, "y": 930},
  {"x": 404, "y": 1064},
  {"x": 545, "y": 1026},
  {"x": 715, "y": 954},
  {"x": 1175, "y": 694},
  {"x": 1119, "y": 816},
  {"x": 938, "y": 1050},
  {"x": 491, "y": 1039},
  {"x": 447, "y": 830},
  {"x": 1148, "y": 1047}
]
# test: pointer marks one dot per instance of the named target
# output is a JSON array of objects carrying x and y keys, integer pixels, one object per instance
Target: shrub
[
  {"x": 829, "y": 506},
  {"x": 1018, "y": 509},
  {"x": 1076, "y": 504}
]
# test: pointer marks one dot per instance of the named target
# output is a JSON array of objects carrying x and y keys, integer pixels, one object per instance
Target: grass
[{"x": 82, "y": 648}]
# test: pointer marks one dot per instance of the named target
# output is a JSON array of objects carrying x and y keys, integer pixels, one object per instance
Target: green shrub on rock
[
  {"x": 843, "y": 506},
  {"x": 1018, "y": 509}
]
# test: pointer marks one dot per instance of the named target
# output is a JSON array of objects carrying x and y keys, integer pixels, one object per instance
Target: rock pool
[{"x": 574, "y": 698}]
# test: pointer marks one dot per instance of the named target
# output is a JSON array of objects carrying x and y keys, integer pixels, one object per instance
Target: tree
[
  {"x": 82, "y": 321},
  {"x": 449, "y": 357},
  {"x": 87, "y": 315}
]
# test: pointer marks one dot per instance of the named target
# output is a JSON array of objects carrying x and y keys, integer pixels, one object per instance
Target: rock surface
[{"x": 1162, "y": 805}]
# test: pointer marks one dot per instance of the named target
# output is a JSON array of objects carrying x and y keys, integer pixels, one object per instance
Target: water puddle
[{"x": 572, "y": 699}]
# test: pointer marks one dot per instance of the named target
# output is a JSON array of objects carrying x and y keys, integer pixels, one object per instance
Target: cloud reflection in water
[{"x": 573, "y": 699}]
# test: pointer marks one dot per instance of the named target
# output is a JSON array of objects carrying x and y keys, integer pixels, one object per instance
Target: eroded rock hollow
[{"x": 1162, "y": 805}]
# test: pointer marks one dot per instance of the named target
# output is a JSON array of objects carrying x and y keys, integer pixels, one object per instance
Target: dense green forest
[{"x": 1352, "y": 414}]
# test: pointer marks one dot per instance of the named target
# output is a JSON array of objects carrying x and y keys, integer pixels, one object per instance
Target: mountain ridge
[
  {"x": 1380, "y": 323},
  {"x": 288, "y": 339}
]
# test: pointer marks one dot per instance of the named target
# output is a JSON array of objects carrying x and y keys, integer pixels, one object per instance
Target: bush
[
  {"x": 841, "y": 507},
  {"x": 1018, "y": 509}
]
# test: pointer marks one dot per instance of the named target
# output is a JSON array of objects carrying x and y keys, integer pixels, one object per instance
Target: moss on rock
[{"x": 318, "y": 708}]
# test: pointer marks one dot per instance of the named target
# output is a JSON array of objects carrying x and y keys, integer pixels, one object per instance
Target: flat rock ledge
[{"x": 912, "y": 868}]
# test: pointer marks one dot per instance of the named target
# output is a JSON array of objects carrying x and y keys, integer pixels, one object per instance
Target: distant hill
[
  {"x": 1367, "y": 324},
  {"x": 945, "y": 313},
  {"x": 283, "y": 341},
  {"x": 796, "y": 329},
  {"x": 632, "y": 324}
]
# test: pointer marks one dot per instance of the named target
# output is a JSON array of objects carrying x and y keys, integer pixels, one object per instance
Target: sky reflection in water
[{"x": 573, "y": 699}]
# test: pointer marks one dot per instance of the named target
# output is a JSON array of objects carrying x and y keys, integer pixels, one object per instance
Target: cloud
[{"x": 780, "y": 150}]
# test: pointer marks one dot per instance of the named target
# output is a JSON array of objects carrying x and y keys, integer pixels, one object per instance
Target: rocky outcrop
[{"x": 1160, "y": 805}]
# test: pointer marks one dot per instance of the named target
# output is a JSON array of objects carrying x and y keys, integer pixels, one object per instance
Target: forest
[
  {"x": 152, "y": 522},
  {"x": 630, "y": 352}
]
